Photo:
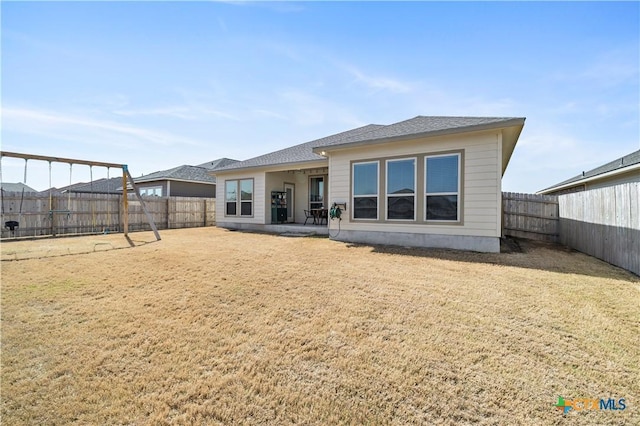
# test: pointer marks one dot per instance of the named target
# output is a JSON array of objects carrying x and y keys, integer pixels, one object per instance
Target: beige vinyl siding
[
  {"x": 258, "y": 196},
  {"x": 480, "y": 187},
  {"x": 275, "y": 182}
]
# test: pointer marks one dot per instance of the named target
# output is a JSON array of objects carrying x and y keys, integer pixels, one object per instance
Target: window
[
  {"x": 365, "y": 190},
  {"x": 242, "y": 203},
  {"x": 425, "y": 189},
  {"x": 401, "y": 189},
  {"x": 316, "y": 192},
  {"x": 246, "y": 197},
  {"x": 442, "y": 187},
  {"x": 151, "y": 191},
  {"x": 231, "y": 197}
]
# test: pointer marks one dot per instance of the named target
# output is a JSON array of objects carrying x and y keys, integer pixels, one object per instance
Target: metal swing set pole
[{"x": 126, "y": 178}]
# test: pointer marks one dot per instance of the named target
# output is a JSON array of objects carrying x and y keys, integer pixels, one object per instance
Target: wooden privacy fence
[
  {"x": 604, "y": 223},
  {"x": 530, "y": 216},
  {"x": 173, "y": 212},
  {"x": 38, "y": 215}
]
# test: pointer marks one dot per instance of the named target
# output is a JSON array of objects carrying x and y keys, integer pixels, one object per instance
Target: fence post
[
  {"x": 204, "y": 212},
  {"x": 168, "y": 212},
  {"x": 52, "y": 216}
]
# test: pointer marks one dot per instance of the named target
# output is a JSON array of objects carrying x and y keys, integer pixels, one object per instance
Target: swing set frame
[{"x": 126, "y": 179}]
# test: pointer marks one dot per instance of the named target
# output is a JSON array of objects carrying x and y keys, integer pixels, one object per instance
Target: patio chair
[
  {"x": 323, "y": 216},
  {"x": 308, "y": 214}
]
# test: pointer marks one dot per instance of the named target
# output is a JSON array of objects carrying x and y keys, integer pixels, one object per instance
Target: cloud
[
  {"x": 223, "y": 25},
  {"x": 377, "y": 82},
  {"x": 87, "y": 130},
  {"x": 276, "y": 6},
  {"x": 270, "y": 114},
  {"x": 307, "y": 109},
  {"x": 546, "y": 155},
  {"x": 173, "y": 112},
  {"x": 180, "y": 112},
  {"x": 613, "y": 68},
  {"x": 431, "y": 100},
  {"x": 32, "y": 43},
  {"x": 604, "y": 70}
]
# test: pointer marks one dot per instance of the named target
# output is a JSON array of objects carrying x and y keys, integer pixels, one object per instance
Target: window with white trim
[
  {"x": 238, "y": 197},
  {"x": 231, "y": 198},
  {"x": 151, "y": 191},
  {"x": 316, "y": 192},
  {"x": 442, "y": 187},
  {"x": 365, "y": 190},
  {"x": 246, "y": 197},
  {"x": 401, "y": 189}
]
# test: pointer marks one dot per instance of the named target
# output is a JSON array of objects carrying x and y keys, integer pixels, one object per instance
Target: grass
[{"x": 215, "y": 327}]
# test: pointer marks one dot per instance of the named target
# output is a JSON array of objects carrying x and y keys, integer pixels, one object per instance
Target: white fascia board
[{"x": 591, "y": 179}]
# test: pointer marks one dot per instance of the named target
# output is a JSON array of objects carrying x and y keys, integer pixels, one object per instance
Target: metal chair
[{"x": 308, "y": 214}]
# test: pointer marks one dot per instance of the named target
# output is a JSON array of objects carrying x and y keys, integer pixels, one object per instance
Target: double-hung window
[
  {"x": 246, "y": 197},
  {"x": 365, "y": 190},
  {"x": 442, "y": 187},
  {"x": 401, "y": 189},
  {"x": 239, "y": 197},
  {"x": 231, "y": 198}
]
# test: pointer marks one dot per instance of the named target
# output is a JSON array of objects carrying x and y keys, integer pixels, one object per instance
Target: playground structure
[{"x": 12, "y": 220}]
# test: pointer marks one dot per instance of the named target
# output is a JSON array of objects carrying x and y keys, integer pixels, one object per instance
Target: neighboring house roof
[
  {"x": 621, "y": 165},
  {"x": 16, "y": 187},
  {"x": 220, "y": 162},
  {"x": 181, "y": 173},
  {"x": 419, "y": 126},
  {"x": 98, "y": 186}
]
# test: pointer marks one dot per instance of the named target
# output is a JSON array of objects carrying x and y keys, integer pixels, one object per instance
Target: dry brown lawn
[{"x": 210, "y": 326}]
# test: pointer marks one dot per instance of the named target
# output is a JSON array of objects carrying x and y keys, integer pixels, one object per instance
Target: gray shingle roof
[
  {"x": 620, "y": 163},
  {"x": 430, "y": 126},
  {"x": 16, "y": 187},
  {"x": 220, "y": 162},
  {"x": 299, "y": 153},
  {"x": 183, "y": 173},
  {"x": 98, "y": 186},
  {"x": 375, "y": 133}
]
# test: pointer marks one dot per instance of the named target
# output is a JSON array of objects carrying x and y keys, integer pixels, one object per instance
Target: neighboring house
[
  {"x": 98, "y": 186},
  {"x": 426, "y": 182},
  {"x": 182, "y": 181},
  {"x": 623, "y": 170},
  {"x": 16, "y": 187}
]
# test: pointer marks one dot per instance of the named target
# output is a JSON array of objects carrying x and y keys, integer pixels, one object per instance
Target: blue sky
[{"x": 157, "y": 85}]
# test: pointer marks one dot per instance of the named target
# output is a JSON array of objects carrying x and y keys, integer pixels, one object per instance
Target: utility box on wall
[{"x": 278, "y": 207}]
